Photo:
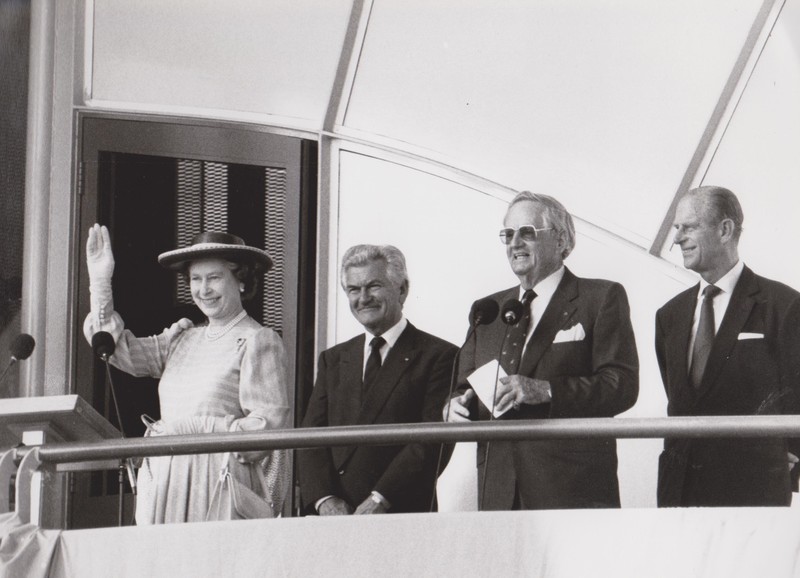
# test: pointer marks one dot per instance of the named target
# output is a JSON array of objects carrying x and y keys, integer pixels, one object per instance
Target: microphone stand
[
  {"x": 125, "y": 465},
  {"x": 20, "y": 349},
  {"x": 484, "y": 312},
  {"x": 3, "y": 375},
  {"x": 453, "y": 374},
  {"x": 491, "y": 412}
]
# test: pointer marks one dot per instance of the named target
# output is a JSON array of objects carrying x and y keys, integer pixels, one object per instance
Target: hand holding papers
[{"x": 483, "y": 380}]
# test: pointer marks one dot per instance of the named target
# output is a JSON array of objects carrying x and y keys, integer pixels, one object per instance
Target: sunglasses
[{"x": 527, "y": 233}]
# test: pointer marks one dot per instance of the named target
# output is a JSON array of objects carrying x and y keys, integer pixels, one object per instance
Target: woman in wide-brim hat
[{"x": 226, "y": 375}]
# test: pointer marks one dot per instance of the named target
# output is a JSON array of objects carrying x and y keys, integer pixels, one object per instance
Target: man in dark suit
[
  {"x": 572, "y": 354},
  {"x": 727, "y": 346},
  {"x": 394, "y": 373}
]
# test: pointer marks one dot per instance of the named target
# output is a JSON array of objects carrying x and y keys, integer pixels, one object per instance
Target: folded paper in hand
[
  {"x": 483, "y": 382},
  {"x": 574, "y": 333}
]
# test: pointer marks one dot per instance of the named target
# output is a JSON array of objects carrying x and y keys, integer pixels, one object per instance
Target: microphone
[
  {"x": 483, "y": 312},
  {"x": 103, "y": 345},
  {"x": 512, "y": 311},
  {"x": 20, "y": 349}
]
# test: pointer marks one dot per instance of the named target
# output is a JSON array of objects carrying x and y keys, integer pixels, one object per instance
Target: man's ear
[
  {"x": 726, "y": 229},
  {"x": 403, "y": 292}
]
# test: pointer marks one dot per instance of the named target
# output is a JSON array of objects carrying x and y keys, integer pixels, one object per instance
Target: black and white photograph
[{"x": 400, "y": 288}]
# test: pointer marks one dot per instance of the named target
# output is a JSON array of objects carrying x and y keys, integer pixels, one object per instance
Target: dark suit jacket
[
  {"x": 411, "y": 386},
  {"x": 596, "y": 376},
  {"x": 742, "y": 377}
]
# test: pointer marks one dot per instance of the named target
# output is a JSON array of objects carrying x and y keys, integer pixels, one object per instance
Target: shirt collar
[
  {"x": 392, "y": 334},
  {"x": 728, "y": 281},
  {"x": 546, "y": 287}
]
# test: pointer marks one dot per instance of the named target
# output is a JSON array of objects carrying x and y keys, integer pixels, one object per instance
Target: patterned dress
[{"x": 233, "y": 382}]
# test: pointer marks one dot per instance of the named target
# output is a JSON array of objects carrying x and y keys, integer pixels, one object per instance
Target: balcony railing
[
  {"x": 51, "y": 458},
  {"x": 394, "y": 434}
]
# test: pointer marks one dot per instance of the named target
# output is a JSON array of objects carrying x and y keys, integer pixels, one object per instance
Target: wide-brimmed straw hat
[{"x": 217, "y": 246}]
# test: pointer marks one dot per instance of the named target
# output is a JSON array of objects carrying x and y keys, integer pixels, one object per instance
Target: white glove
[{"x": 100, "y": 262}]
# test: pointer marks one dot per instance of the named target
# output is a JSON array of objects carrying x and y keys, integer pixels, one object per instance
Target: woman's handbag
[{"x": 233, "y": 500}]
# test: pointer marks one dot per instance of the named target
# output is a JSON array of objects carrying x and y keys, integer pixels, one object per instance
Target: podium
[{"x": 32, "y": 421}]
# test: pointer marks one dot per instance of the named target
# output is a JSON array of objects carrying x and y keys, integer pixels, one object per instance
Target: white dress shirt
[
  {"x": 544, "y": 290},
  {"x": 391, "y": 336}
]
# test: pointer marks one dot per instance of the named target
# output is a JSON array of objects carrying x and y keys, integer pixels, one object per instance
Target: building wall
[{"x": 430, "y": 115}]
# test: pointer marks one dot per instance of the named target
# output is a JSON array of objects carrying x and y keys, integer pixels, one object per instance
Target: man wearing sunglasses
[{"x": 571, "y": 353}]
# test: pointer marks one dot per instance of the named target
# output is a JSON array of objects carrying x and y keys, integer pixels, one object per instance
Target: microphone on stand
[
  {"x": 103, "y": 346},
  {"x": 512, "y": 311},
  {"x": 483, "y": 312},
  {"x": 510, "y": 314},
  {"x": 20, "y": 349}
]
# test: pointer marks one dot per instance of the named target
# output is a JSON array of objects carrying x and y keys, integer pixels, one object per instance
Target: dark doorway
[
  {"x": 156, "y": 185},
  {"x": 15, "y": 22}
]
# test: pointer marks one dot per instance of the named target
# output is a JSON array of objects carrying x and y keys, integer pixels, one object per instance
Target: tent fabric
[
  {"x": 25, "y": 549},
  {"x": 699, "y": 542}
]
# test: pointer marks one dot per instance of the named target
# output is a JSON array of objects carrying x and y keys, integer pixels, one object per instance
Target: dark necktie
[
  {"x": 515, "y": 342},
  {"x": 705, "y": 335},
  {"x": 373, "y": 361}
]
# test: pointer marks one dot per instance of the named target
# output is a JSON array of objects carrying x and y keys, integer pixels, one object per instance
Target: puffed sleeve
[
  {"x": 263, "y": 383},
  {"x": 264, "y": 395},
  {"x": 139, "y": 356}
]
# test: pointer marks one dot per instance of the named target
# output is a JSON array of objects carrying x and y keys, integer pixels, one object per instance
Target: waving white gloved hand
[
  {"x": 100, "y": 262},
  {"x": 99, "y": 257}
]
